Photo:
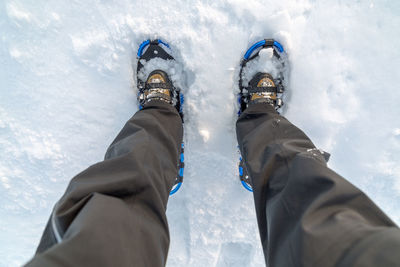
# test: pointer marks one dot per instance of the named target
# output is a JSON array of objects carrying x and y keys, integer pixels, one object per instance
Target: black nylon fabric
[
  {"x": 113, "y": 213},
  {"x": 307, "y": 214}
]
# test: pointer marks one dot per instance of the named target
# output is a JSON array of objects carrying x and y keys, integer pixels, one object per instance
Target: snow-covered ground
[{"x": 67, "y": 88}]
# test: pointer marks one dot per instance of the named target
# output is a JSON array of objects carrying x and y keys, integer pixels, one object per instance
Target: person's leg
[
  {"x": 113, "y": 213},
  {"x": 307, "y": 214}
]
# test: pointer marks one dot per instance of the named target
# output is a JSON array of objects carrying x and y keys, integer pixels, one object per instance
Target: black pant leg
[
  {"x": 307, "y": 214},
  {"x": 113, "y": 213}
]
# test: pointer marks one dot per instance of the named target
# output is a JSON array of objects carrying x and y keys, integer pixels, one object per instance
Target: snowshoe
[
  {"x": 158, "y": 86},
  {"x": 262, "y": 86}
]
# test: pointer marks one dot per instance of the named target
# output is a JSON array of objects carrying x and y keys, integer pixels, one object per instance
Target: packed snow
[
  {"x": 268, "y": 63},
  {"x": 174, "y": 69},
  {"x": 67, "y": 87}
]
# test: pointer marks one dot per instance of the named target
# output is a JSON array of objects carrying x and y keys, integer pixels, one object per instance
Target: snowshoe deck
[
  {"x": 148, "y": 50},
  {"x": 252, "y": 53}
]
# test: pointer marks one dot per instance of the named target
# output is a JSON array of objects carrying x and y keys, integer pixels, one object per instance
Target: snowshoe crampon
[
  {"x": 148, "y": 50},
  {"x": 243, "y": 97}
]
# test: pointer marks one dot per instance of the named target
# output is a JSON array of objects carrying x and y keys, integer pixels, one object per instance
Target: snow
[
  {"x": 174, "y": 69},
  {"x": 266, "y": 62},
  {"x": 67, "y": 88}
]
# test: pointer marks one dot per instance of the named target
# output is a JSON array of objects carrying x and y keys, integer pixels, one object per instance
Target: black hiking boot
[
  {"x": 158, "y": 85},
  {"x": 262, "y": 89}
]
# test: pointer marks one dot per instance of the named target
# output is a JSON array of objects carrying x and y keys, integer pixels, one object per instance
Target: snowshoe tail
[
  {"x": 179, "y": 178},
  {"x": 244, "y": 176}
]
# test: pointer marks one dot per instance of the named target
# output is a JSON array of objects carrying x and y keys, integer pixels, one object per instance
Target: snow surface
[
  {"x": 268, "y": 63},
  {"x": 67, "y": 88},
  {"x": 174, "y": 69}
]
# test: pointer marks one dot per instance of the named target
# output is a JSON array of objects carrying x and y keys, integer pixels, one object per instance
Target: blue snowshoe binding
[
  {"x": 158, "y": 86},
  {"x": 261, "y": 88}
]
